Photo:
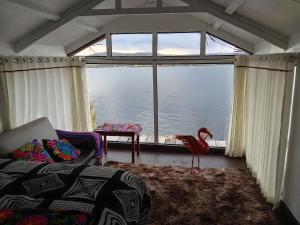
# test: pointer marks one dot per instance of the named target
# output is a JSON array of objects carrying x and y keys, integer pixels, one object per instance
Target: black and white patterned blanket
[{"x": 115, "y": 196}]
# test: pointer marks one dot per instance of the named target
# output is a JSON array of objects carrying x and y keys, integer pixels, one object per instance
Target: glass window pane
[
  {"x": 131, "y": 44},
  {"x": 199, "y": 96},
  {"x": 216, "y": 46},
  {"x": 123, "y": 94},
  {"x": 178, "y": 44},
  {"x": 97, "y": 49}
]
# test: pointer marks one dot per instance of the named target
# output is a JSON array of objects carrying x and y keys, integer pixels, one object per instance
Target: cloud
[{"x": 177, "y": 51}]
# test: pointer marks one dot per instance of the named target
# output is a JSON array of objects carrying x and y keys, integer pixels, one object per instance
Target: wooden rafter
[
  {"x": 237, "y": 20},
  {"x": 244, "y": 23},
  {"x": 48, "y": 27},
  {"x": 230, "y": 9},
  {"x": 138, "y": 11},
  {"x": 85, "y": 8}
]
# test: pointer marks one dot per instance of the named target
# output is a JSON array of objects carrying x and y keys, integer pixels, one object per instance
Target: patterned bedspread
[{"x": 114, "y": 196}]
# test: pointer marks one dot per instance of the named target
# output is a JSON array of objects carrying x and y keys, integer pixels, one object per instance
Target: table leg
[
  {"x": 133, "y": 148},
  {"x": 105, "y": 144},
  {"x": 138, "y": 144}
]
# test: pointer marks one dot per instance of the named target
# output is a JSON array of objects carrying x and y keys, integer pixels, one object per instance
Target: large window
[
  {"x": 178, "y": 44},
  {"x": 188, "y": 95},
  {"x": 197, "y": 96},
  {"x": 131, "y": 44},
  {"x": 122, "y": 94}
]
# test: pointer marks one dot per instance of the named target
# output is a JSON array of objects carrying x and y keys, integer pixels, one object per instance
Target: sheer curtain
[
  {"x": 260, "y": 117},
  {"x": 32, "y": 87}
]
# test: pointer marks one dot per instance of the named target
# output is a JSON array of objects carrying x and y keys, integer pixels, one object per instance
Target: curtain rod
[{"x": 4, "y": 60}]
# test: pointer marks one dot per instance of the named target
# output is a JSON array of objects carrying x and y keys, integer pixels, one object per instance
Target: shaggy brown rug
[{"x": 206, "y": 197}]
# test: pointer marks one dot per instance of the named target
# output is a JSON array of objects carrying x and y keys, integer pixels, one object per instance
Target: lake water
[{"x": 189, "y": 97}]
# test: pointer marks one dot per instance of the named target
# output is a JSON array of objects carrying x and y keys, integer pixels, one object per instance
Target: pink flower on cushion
[{"x": 38, "y": 157}]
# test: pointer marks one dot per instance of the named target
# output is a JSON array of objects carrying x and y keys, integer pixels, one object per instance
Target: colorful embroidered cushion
[
  {"x": 61, "y": 150},
  {"x": 33, "y": 151},
  {"x": 45, "y": 217}
]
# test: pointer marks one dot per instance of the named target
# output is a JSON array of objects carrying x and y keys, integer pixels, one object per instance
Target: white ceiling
[{"x": 282, "y": 16}]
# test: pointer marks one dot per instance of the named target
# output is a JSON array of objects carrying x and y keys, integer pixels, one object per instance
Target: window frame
[
  {"x": 154, "y": 65},
  {"x": 202, "y": 55},
  {"x": 156, "y": 60}
]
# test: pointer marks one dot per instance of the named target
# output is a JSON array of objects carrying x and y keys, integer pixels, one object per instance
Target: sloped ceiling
[{"x": 280, "y": 15}]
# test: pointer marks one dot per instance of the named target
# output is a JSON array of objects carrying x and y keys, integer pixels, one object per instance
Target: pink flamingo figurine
[{"x": 199, "y": 146}]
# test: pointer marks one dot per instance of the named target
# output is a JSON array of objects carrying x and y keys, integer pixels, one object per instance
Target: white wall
[
  {"x": 264, "y": 47},
  {"x": 291, "y": 192},
  {"x": 34, "y": 50}
]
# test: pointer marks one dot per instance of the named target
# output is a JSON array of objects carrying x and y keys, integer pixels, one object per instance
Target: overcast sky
[{"x": 168, "y": 45}]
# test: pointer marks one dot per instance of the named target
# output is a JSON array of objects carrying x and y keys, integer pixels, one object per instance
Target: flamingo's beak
[{"x": 209, "y": 134}]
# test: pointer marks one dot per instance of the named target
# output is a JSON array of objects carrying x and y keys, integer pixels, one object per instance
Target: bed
[{"x": 109, "y": 195}]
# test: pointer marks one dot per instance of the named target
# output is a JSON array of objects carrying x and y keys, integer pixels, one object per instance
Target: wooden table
[{"x": 122, "y": 129}]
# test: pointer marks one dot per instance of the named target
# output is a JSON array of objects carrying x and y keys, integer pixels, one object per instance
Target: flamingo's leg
[
  {"x": 192, "y": 164},
  {"x": 198, "y": 160},
  {"x": 193, "y": 161}
]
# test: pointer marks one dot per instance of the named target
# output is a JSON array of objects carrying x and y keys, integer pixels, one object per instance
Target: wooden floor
[{"x": 174, "y": 159}]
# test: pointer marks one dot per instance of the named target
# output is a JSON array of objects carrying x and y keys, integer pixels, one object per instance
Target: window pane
[
  {"x": 131, "y": 44},
  {"x": 199, "y": 96},
  {"x": 123, "y": 94},
  {"x": 216, "y": 46},
  {"x": 97, "y": 49},
  {"x": 178, "y": 44}
]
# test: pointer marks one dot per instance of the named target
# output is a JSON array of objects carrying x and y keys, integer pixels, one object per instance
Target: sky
[{"x": 169, "y": 44}]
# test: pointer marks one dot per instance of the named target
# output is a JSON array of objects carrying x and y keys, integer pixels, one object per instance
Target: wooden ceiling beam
[
  {"x": 230, "y": 9},
  {"x": 85, "y": 8},
  {"x": 48, "y": 27},
  {"x": 244, "y": 23},
  {"x": 138, "y": 11}
]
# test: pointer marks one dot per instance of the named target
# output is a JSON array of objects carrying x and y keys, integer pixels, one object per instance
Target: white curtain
[
  {"x": 260, "y": 117},
  {"x": 33, "y": 87}
]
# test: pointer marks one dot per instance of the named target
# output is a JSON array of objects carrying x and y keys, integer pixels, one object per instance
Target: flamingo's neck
[{"x": 202, "y": 140}]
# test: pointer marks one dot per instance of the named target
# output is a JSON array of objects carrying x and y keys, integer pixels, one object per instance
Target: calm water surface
[{"x": 189, "y": 97}]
